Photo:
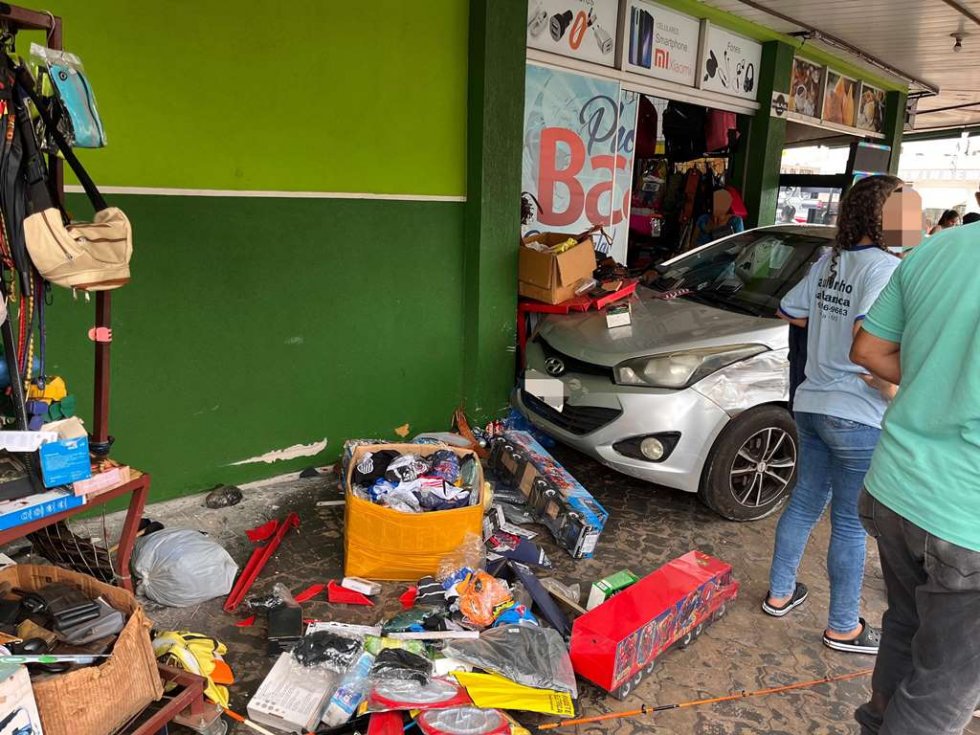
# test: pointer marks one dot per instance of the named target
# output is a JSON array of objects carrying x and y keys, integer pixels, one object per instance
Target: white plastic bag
[{"x": 180, "y": 567}]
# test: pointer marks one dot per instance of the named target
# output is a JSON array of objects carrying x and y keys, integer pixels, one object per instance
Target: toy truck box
[
  {"x": 557, "y": 500},
  {"x": 615, "y": 644}
]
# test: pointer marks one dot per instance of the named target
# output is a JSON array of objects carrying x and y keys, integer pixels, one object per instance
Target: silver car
[{"x": 693, "y": 392}]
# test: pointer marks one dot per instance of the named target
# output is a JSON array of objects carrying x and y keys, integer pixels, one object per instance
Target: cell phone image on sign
[{"x": 641, "y": 37}]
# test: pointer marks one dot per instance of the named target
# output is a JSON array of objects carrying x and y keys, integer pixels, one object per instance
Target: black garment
[
  {"x": 927, "y": 676},
  {"x": 797, "y": 360}
]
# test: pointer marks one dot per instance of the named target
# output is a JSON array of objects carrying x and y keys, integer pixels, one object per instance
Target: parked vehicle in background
[{"x": 693, "y": 394}]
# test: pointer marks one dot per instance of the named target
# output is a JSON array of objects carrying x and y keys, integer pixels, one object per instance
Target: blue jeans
[{"x": 835, "y": 455}]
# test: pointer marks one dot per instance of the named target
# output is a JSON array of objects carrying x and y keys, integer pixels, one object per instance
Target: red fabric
[
  {"x": 738, "y": 204},
  {"x": 341, "y": 595},
  {"x": 263, "y": 532},
  {"x": 717, "y": 127},
  {"x": 646, "y": 130}
]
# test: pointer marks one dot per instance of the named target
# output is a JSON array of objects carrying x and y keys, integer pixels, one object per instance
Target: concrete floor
[{"x": 648, "y": 526}]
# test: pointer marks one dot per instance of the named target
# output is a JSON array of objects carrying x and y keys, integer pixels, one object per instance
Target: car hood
[{"x": 657, "y": 326}]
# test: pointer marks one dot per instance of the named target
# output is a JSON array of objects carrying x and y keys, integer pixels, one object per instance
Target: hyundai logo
[{"x": 554, "y": 366}]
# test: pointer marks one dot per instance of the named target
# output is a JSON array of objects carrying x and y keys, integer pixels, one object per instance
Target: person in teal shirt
[{"x": 922, "y": 497}]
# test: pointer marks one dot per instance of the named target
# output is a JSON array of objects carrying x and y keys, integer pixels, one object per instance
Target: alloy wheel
[{"x": 763, "y": 467}]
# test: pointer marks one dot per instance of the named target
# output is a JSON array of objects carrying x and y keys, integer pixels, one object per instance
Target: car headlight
[{"x": 681, "y": 369}]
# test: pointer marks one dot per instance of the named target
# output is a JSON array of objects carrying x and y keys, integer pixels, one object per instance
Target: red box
[{"x": 617, "y": 642}]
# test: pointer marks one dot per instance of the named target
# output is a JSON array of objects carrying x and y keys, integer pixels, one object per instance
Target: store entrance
[{"x": 682, "y": 195}]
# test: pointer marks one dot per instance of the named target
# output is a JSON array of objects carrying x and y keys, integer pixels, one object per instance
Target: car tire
[{"x": 724, "y": 486}]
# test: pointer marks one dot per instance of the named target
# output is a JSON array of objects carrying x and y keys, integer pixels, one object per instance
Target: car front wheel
[{"x": 752, "y": 466}]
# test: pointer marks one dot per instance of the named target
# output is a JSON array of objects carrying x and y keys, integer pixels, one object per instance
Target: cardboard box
[
  {"x": 17, "y": 699},
  {"x": 558, "y": 500},
  {"x": 553, "y": 278},
  {"x": 609, "y": 586},
  {"x": 381, "y": 543},
  {"x": 95, "y": 700},
  {"x": 292, "y": 697},
  {"x": 618, "y": 315},
  {"x": 65, "y": 461}
]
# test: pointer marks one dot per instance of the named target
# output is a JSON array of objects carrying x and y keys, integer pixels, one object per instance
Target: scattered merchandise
[
  {"x": 382, "y": 543},
  {"x": 34, "y": 507},
  {"x": 327, "y": 649},
  {"x": 292, "y": 697},
  {"x": 197, "y": 654},
  {"x": 364, "y": 586},
  {"x": 568, "y": 595},
  {"x": 223, "y": 496},
  {"x": 401, "y": 664},
  {"x": 309, "y": 593},
  {"x": 344, "y": 596},
  {"x": 542, "y": 599},
  {"x": 492, "y": 690},
  {"x": 615, "y": 643},
  {"x": 182, "y": 567},
  {"x": 108, "y": 622},
  {"x": 414, "y": 619},
  {"x": 429, "y": 593},
  {"x": 18, "y": 709},
  {"x": 618, "y": 315},
  {"x": 348, "y": 629},
  {"x": 407, "y": 694},
  {"x": 64, "y": 461},
  {"x": 609, "y": 586},
  {"x": 468, "y": 720},
  {"x": 482, "y": 598},
  {"x": 552, "y": 266},
  {"x": 526, "y": 654},
  {"x": 349, "y": 695},
  {"x": 557, "y": 499},
  {"x": 272, "y": 533}
]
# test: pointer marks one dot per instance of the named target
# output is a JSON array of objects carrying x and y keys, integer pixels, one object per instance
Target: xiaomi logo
[{"x": 661, "y": 58}]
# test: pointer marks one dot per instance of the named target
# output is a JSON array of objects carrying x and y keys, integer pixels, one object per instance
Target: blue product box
[
  {"x": 558, "y": 500},
  {"x": 65, "y": 461}
]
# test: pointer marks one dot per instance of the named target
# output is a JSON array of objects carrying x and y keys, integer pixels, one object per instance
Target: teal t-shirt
[{"x": 927, "y": 464}]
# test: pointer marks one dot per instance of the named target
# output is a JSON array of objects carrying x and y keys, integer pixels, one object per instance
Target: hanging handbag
[{"x": 89, "y": 256}]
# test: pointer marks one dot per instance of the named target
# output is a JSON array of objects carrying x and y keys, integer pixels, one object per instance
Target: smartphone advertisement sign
[{"x": 661, "y": 43}]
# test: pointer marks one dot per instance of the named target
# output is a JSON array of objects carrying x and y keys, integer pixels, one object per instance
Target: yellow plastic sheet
[{"x": 490, "y": 691}]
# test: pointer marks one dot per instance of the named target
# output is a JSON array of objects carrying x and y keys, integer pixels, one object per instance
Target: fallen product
[
  {"x": 326, "y": 649},
  {"x": 558, "y": 501},
  {"x": 492, "y": 690},
  {"x": 615, "y": 644},
  {"x": 181, "y": 567},
  {"x": 401, "y": 664},
  {"x": 609, "y": 586},
  {"x": 463, "y": 721},
  {"x": 257, "y": 561},
  {"x": 292, "y": 697},
  {"x": 364, "y": 586},
  {"x": 653, "y": 709},
  {"x": 411, "y": 695},
  {"x": 542, "y": 599},
  {"x": 482, "y": 598},
  {"x": 527, "y": 654},
  {"x": 198, "y": 654},
  {"x": 342, "y": 596},
  {"x": 349, "y": 695}
]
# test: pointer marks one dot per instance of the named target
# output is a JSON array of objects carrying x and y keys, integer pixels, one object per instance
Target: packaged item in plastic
[
  {"x": 492, "y": 690},
  {"x": 399, "y": 663},
  {"x": 75, "y": 94},
  {"x": 468, "y": 555},
  {"x": 515, "y": 615},
  {"x": 407, "y": 467},
  {"x": 529, "y": 655},
  {"x": 415, "y": 619},
  {"x": 375, "y": 645},
  {"x": 437, "y": 494},
  {"x": 463, "y": 721},
  {"x": 180, "y": 567},
  {"x": 328, "y": 650},
  {"x": 482, "y": 597},
  {"x": 351, "y": 692},
  {"x": 402, "y": 694},
  {"x": 469, "y": 473},
  {"x": 445, "y": 466}
]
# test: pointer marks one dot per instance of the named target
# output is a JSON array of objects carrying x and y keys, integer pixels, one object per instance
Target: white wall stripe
[{"x": 153, "y": 191}]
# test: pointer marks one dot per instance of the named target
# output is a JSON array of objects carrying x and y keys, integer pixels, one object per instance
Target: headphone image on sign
[
  {"x": 749, "y": 84},
  {"x": 710, "y": 66}
]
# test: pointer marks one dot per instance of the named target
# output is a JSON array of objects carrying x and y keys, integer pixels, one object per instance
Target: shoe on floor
[
  {"x": 798, "y": 598},
  {"x": 864, "y": 642}
]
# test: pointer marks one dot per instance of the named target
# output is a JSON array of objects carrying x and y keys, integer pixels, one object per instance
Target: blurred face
[{"x": 902, "y": 222}]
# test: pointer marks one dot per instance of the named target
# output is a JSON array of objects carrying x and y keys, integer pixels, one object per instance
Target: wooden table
[{"x": 138, "y": 488}]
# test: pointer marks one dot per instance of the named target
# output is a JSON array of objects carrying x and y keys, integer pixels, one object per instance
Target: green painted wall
[
  {"x": 308, "y": 95},
  {"x": 255, "y": 324}
]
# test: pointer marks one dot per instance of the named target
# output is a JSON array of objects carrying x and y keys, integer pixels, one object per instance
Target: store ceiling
[{"x": 910, "y": 36}]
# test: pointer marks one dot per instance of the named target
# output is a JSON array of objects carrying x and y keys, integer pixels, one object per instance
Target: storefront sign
[
  {"x": 660, "y": 43},
  {"x": 871, "y": 110},
  {"x": 806, "y": 88},
  {"x": 730, "y": 64},
  {"x": 582, "y": 29},
  {"x": 578, "y": 155}
]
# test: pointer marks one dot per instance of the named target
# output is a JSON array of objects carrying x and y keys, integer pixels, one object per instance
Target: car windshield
[{"x": 748, "y": 273}]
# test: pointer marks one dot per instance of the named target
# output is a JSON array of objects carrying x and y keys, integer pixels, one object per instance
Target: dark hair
[
  {"x": 948, "y": 218},
  {"x": 860, "y": 214},
  {"x": 970, "y": 217}
]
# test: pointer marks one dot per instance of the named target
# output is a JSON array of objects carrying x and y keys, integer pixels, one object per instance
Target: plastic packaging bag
[
  {"x": 327, "y": 650},
  {"x": 469, "y": 554},
  {"x": 180, "y": 567},
  {"x": 415, "y": 619},
  {"x": 535, "y": 657},
  {"x": 352, "y": 690},
  {"x": 398, "y": 663},
  {"x": 375, "y": 645},
  {"x": 279, "y": 596},
  {"x": 468, "y": 720},
  {"x": 482, "y": 598},
  {"x": 75, "y": 94}
]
